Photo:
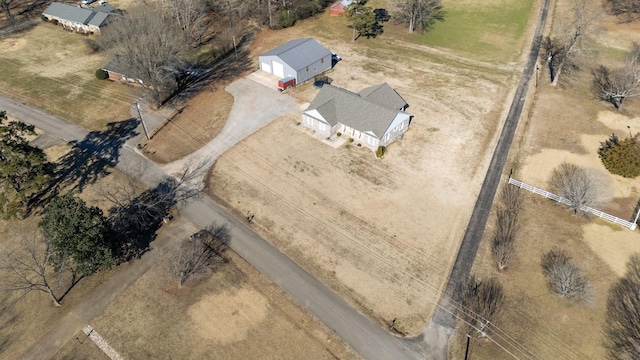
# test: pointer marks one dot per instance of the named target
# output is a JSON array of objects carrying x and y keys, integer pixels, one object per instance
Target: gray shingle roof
[
  {"x": 98, "y": 19},
  {"x": 76, "y": 14},
  {"x": 299, "y": 53},
  {"x": 385, "y": 95},
  {"x": 106, "y": 8},
  {"x": 363, "y": 113}
]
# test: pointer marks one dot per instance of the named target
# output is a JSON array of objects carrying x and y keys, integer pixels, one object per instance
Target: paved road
[
  {"x": 364, "y": 336},
  {"x": 473, "y": 235}
]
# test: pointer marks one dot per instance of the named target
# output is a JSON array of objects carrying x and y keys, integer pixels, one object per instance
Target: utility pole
[
  {"x": 466, "y": 352},
  {"x": 144, "y": 126},
  {"x": 235, "y": 49}
]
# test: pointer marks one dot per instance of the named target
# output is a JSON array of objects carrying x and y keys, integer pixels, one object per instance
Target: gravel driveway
[{"x": 254, "y": 107}]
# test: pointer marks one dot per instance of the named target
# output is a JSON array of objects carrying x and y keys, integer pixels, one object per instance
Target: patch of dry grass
[
  {"x": 234, "y": 314},
  {"x": 50, "y": 68},
  {"x": 197, "y": 122}
]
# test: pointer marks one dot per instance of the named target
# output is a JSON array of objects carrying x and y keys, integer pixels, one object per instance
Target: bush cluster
[{"x": 621, "y": 157}]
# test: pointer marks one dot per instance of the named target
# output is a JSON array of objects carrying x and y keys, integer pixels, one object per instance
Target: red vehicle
[{"x": 286, "y": 83}]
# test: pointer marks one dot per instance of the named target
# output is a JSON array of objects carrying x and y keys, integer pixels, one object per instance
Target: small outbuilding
[
  {"x": 301, "y": 59},
  {"x": 338, "y": 8}
]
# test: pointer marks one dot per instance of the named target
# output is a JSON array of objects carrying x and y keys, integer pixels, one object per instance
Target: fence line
[{"x": 631, "y": 225}]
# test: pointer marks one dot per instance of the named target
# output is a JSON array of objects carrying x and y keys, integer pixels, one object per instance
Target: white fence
[{"x": 631, "y": 225}]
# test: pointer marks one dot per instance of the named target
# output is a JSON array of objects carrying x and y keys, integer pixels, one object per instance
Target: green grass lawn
[{"x": 489, "y": 32}]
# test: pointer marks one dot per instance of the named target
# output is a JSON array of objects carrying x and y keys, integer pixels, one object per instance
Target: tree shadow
[
  {"x": 88, "y": 160},
  {"x": 230, "y": 65},
  {"x": 136, "y": 222}
]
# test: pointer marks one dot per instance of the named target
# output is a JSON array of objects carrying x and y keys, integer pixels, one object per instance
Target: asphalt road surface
[
  {"x": 363, "y": 335},
  {"x": 473, "y": 235}
]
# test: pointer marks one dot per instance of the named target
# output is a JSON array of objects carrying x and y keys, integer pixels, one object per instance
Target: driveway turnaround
[{"x": 254, "y": 106}]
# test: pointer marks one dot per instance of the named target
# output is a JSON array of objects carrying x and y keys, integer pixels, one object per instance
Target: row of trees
[{"x": 419, "y": 15}]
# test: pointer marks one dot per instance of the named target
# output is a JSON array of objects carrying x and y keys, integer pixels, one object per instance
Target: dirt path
[{"x": 443, "y": 320}]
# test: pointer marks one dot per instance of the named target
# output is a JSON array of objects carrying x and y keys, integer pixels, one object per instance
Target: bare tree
[
  {"x": 482, "y": 304},
  {"x": 561, "y": 51},
  {"x": 137, "y": 211},
  {"x": 511, "y": 198},
  {"x": 615, "y": 86},
  {"x": 503, "y": 247},
  {"x": 575, "y": 184},
  {"x": 150, "y": 47},
  {"x": 622, "y": 330},
  {"x": 626, "y": 10},
  {"x": 7, "y": 7},
  {"x": 200, "y": 254},
  {"x": 563, "y": 276},
  {"x": 419, "y": 14},
  {"x": 192, "y": 16},
  {"x": 29, "y": 269}
]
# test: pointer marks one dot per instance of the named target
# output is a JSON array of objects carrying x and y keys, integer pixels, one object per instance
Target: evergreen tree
[{"x": 621, "y": 157}]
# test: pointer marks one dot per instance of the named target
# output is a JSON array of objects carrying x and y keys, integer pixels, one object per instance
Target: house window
[
  {"x": 323, "y": 127},
  {"x": 399, "y": 127},
  {"x": 309, "y": 120},
  {"x": 307, "y": 69},
  {"x": 386, "y": 137},
  {"x": 371, "y": 140}
]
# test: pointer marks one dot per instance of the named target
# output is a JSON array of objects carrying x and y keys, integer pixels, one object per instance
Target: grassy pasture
[{"x": 488, "y": 30}]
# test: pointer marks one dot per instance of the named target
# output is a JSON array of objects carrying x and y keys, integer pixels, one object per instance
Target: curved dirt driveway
[{"x": 254, "y": 107}]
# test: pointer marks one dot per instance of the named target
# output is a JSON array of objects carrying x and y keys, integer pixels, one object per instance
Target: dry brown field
[
  {"x": 234, "y": 314},
  {"x": 564, "y": 124},
  {"x": 383, "y": 233}
]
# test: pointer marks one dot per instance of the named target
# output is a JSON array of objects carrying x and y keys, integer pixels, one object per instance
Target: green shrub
[
  {"x": 380, "y": 151},
  {"x": 621, "y": 157},
  {"x": 351, "y": 140},
  {"x": 339, "y": 134},
  {"x": 101, "y": 74},
  {"x": 54, "y": 22},
  {"x": 286, "y": 19},
  {"x": 44, "y": 18}
]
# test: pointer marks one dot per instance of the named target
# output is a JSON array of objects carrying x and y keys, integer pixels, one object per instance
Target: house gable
[{"x": 338, "y": 105}]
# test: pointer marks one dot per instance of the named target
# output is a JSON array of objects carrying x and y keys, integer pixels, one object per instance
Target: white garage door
[
  {"x": 266, "y": 67},
  {"x": 278, "y": 69}
]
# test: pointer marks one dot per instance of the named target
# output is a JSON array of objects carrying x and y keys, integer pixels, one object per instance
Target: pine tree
[{"x": 621, "y": 157}]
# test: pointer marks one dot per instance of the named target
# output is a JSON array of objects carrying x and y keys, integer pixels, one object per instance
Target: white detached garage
[{"x": 301, "y": 59}]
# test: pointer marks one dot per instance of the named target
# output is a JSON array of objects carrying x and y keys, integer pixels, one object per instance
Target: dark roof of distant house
[
  {"x": 116, "y": 66},
  {"x": 363, "y": 112},
  {"x": 76, "y": 14},
  {"x": 299, "y": 53},
  {"x": 105, "y": 8}
]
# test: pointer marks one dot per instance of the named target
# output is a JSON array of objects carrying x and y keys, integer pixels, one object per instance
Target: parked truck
[{"x": 286, "y": 83}]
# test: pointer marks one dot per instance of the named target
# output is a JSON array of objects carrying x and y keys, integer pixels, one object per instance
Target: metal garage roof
[{"x": 299, "y": 53}]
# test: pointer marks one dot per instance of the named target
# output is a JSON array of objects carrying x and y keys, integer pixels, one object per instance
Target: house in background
[
  {"x": 301, "y": 59},
  {"x": 373, "y": 117},
  {"x": 79, "y": 19},
  {"x": 119, "y": 72},
  {"x": 339, "y": 7}
]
